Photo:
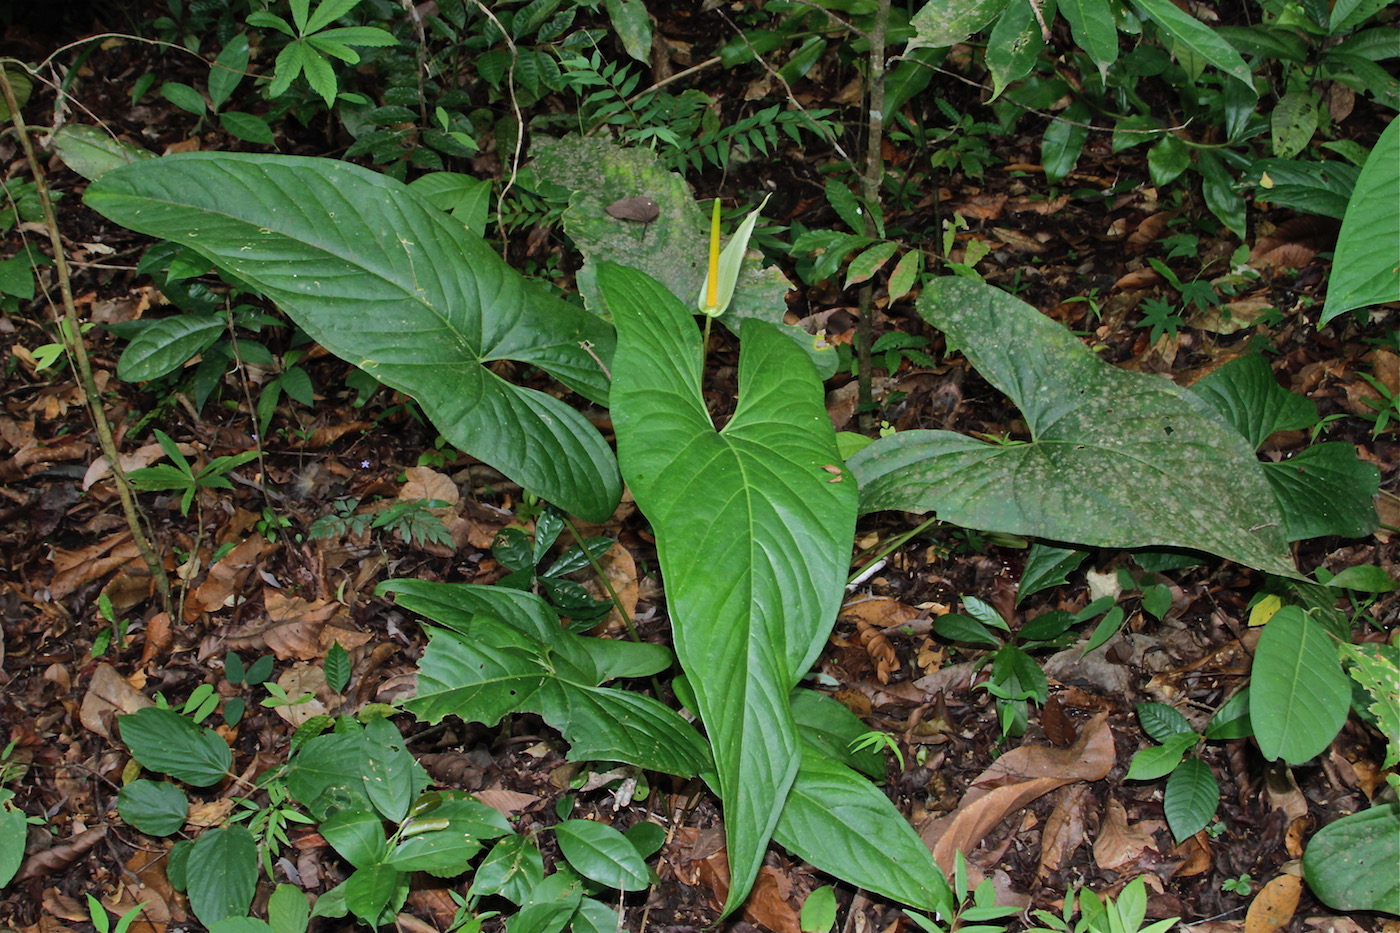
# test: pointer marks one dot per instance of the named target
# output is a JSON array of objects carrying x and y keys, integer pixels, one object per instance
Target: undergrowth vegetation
[{"x": 400, "y": 253}]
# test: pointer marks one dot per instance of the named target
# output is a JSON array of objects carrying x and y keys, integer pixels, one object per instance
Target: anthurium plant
[{"x": 754, "y": 521}]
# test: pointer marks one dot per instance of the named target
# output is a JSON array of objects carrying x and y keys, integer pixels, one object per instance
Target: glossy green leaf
[
  {"x": 165, "y": 742},
  {"x": 1350, "y": 863},
  {"x": 1190, "y": 798},
  {"x": 1091, "y": 23},
  {"x": 673, "y": 249},
  {"x": 1293, "y": 122},
  {"x": 389, "y": 775},
  {"x": 247, "y": 127},
  {"x": 828, "y": 725},
  {"x": 1248, "y": 396},
  {"x": 184, "y": 97},
  {"x": 1167, "y": 159},
  {"x": 288, "y": 911},
  {"x": 1311, "y": 187},
  {"x": 819, "y": 910},
  {"x": 337, "y": 667},
  {"x": 228, "y": 69},
  {"x": 1155, "y": 465},
  {"x": 1364, "y": 578},
  {"x": 221, "y": 874},
  {"x": 154, "y": 807},
  {"x": 1047, "y": 566},
  {"x": 326, "y": 774},
  {"x": 389, "y": 283},
  {"x": 750, "y": 505},
  {"x": 632, "y": 24},
  {"x": 600, "y": 853},
  {"x": 1161, "y": 722},
  {"x": 942, "y": 23},
  {"x": 357, "y": 835},
  {"x": 165, "y": 345},
  {"x": 1231, "y": 720},
  {"x": 549, "y": 905},
  {"x": 1364, "y": 268},
  {"x": 841, "y": 823},
  {"x": 1298, "y": 694},
  {"x": 375, "y": 894},
  {"x": 1325, "y": 490},
  {"x": 14, "y": 832},
  {"x": 1196, "y": 36},
  {"x": 867, "y": 263},
  {"x": 465, "y": 197},
  {"x": 1219, "y": 191},
  {"x": 1153, "y": 762},
  {"x": 512, "y": 869},
  {"x": 445, "y": 853},
  {"x": 906, "y": 271},
  {"x": 1063, "y": 141}
]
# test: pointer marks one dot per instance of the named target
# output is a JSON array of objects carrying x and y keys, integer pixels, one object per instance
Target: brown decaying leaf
[
  {"x": 53, "y": 860},
  {"x": 73, "y": 569},
  {"x": 427, "y": 483},
  {"x": 1273, "y": 907},
  {"x": 1119, "y": 844},
  {"x": 108, "y": 695},
  {"x": 157, "y": 638},
  {"x": 1064, "y": 829},
  {"x": 225, "y": 579},
  {"x": 768, "y": 904},
  {"x": 297, "y": 629},
  {"x": 1195, "y": 856},
  {"x": 1149, "y": 231},
  {"x": 1013, "y": 781}
]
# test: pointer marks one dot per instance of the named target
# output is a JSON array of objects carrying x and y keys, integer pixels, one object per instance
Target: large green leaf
[
  {"x": 1193, "y": 35},
  {"x": 221, "y": 874},
  {"x": 1299, "y": 696},
  {"x": 842, "y": 824},
  {"x": 383, "y": 280},
  {"x": 671, "y": 249},
  {"x": 1326, "y": 489},
  {"x": 166, "y": 742},
  {"x": 1118, "y": 459},
  {"x": 1350, "y": 864},
  {"x": 752, "y": 532},
  {"x": 1366, "y": 267}
]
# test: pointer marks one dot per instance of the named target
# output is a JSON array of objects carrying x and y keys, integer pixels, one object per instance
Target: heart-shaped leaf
[
  {"x": 383, "y": 280},
  {"x": 1153, "y": 464},
  {"x": 753, "y": 533}
]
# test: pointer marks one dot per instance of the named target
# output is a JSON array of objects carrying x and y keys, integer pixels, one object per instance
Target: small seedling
[{"x": 1241, "y": 885}]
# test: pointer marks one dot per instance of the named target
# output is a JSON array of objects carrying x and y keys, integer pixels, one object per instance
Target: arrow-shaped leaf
[
  {"x": 753, "y": 527},
  {"x": 1152, "y": 465},
  {"x": 383, "y": 280}
]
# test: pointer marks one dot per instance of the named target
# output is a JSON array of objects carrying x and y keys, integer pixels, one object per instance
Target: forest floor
[{"x": 279, "y": 590}]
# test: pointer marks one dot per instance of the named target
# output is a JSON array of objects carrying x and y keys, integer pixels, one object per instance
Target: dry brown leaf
[
  {"x": 54, "y": 860},
  {"x": 427, "y": 483},
  {"x": 327, "y": 435},
  {"x": 508, "y": 802},
  {"x": 108, "y": 695},
  {"x": 73, "y": 569},
  {"x": 1013, "y": 781},
  {"x": 1273, "y": 907},
  {"x": 878, "y": 611},
  {"x": 1119, "y": 845},
  {"x": 209, "y": 813},
  {"x": 1037, "y": 205},
  {"x": 1195, "y": 856},
  {"x": 157, "y": 638},
  {"x": 1064, "y": 829},
  {"x": 981, "y": 207},
  {"x": 1281, "y": 789},
  {"x": 1138, "y": 278},
  {"x": 1232, "y": 317},
  {"x": 1016, "y": 240},
  {"x": 299, "y": 680},
  {"x": 1149, "y": 231},
  {"x": 225, "y": 580},
  {"x": 767, "y": 903}
]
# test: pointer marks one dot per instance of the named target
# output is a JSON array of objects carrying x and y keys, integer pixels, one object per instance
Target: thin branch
[{"x": 70, "y": 332}]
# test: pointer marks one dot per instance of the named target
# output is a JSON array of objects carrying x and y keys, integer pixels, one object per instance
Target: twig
[{"x": 69, "y": 329}]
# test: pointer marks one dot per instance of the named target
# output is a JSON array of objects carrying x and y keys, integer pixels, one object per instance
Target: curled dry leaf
[
  {"x": 1064, "y": 829},
  {"x": 108, "y": 695},
  {"x": 51, "y": 861},
  {"x": 1273, "y": 907},
  {"x": 1012, "y": 782},
  {"x": 1120, "y": 845}
]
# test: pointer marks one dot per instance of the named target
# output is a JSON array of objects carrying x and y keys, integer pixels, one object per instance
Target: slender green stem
[
  {"x": 892, "y": 545},
  {"x": 603, "y": 578},
  {"x": 871, "y": 179}
]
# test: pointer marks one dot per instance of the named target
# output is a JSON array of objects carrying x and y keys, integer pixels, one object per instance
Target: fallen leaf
[
  {"x": 1119, "y": 844},
  {"x": 299, "y": 680},
  {"x": 108, "y": 695},
  {"x": 1064, "y": 829},
  {"x": 621, "y": 570},
  {"x": 73, "y": 569},
  {"x": 427, "y": 483},
  {"x": 1273, "y": 907},
  {"x": 1013, "y": 781},
  {"x": 1195, "y": 856}
]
